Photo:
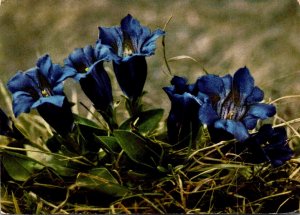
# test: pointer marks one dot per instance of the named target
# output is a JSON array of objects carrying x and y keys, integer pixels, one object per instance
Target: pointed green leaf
[
  {"x": 110, "y": 143},
  {"x": 85, "y": 122},
  {"x": 100, "y": 184},
  {"x": 136, "y": 148},
  {"x": 146, "y": 121},
  {"x": 20, "y": 167},
  {"x": 103, "y": 173}
]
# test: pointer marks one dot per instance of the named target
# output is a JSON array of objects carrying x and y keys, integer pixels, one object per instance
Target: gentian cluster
[
  {"x": 126, "y": 47},
  {"x": 228, "y": 106}
]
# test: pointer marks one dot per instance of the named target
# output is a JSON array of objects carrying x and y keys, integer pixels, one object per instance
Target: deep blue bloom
[
  {"x": 131, "y": 43},
  {"x": 87, "y": 66},
  {"x": 269, "y": 144},
  {"x": 183, "y": 122},
  {"x": 231, "y": 105},
  {"x": 41, "y": 87}
]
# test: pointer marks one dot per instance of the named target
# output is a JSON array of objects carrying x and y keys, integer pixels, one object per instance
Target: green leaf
[
  {"x": 145, "y": 121},
  {"x": 136, "y": 148},
  {"x": 110, "y": 143},
  {"x": 85, "y": 122},
  {"x": 103, "y": 173},
  {"x": 4, "y": 140},
  {"x": 20, "y": 167},
  {"x": 33, "y": 128},
  {"x": 100, "y": 183}
]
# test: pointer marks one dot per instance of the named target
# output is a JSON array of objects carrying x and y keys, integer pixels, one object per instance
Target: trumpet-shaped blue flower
[
  {"x": 131, "y": 43},
  {"x": 87, "y": 66},
  {"x": 42, "y": 88},
  {"x": 183, "y": 122},
  {"x": 269, "y": 145},
  {"x": 232, "y": 105}
]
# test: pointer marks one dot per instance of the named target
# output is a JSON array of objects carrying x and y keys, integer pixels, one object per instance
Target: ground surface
[{"x": 221, "y": 35}]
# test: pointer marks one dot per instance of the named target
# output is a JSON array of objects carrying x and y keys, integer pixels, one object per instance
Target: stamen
[
  {"x": 127, "y": 51},
  {"x": 45, "y": 93}
]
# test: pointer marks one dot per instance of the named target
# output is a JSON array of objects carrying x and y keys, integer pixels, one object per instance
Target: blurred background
[{"x": 222, "y": 35}]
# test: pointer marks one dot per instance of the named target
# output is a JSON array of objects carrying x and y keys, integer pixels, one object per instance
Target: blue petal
[
  {"x": 227, "y": 81},
  {"x": 261, "y": 111},
  {"x": 243, "y": 84},
  {"x": 170, "y": 90},
  {"x": 105, "y": 53},
  {"x": 179, "y": 84},
  {"x": 22, "y": 81},
  {"x": 213, "y": 86},
  {"x": 53, "y": 73},
  {"x": 236, "y": 128},
  {"x": 134, "y": 32},
  {"x": 78, "y": 61},
  {"x": 256, "y": 112},
  {"x": 44, "y": 64},
  {"x": 207, "y": 114},
  {"x": 257, "y": 95},
  {"x": 250, "y": 121},
  {"x": 58, "y": 89},
  {"x": 149, "y": 46},
  {"x": 56, "y": 100},
  {"x": 112, "y": 37},
  {"x": 22, "y": 102}
]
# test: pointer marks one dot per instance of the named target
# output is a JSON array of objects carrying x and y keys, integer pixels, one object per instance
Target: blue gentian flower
[
  {"x": 5, "y": 128},
  {"x": 231, "y": 106},
  {"x": 183, "y": 122},
  {"x": 87, "y": 66},
  {"x": 268, "y": 145},
  {"x": 41, "y": 87},
  {"x": 131, "y": 42}
]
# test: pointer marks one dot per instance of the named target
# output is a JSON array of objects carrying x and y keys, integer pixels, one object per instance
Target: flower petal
[
  {"x": 236, "y": 128},
  {"x": 148, "y": 47},
  {"x": 261, "y": 111},
  {"x": 44, "y": 64},
  {"x": 56, "y": 100},
  {"x": 23, "y": 81},
  {"x": 243, "y": 84},
  {"x": 112, "y": 37},
  {"x": 212, "y": 86},
  {"x": 22, "y": 102},
  {"x": 207, "y": 114},
  {"x": 105, "y": 53},
  {"x": 257, "y": 95},
  {"x": 180, "y": 84}
]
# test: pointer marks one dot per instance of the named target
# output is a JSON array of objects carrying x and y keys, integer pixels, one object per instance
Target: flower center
[
  {"x": 127, "y": 51},
  {"x": 128, "y": 48},
  {"x": 44, "y": 86},
  {"x": 45, "y": 93},
  {"x": 232, "y": 111}
]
